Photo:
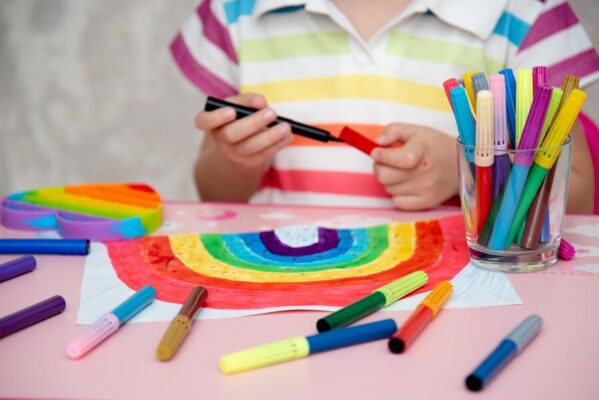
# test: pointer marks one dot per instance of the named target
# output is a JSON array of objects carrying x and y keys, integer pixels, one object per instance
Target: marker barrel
[
  {"x": 31, "y": 315},
  {"x": 410, "y": 330},
  {"x": 45, "y": 246},
  {"x": 16, "y": 267}
]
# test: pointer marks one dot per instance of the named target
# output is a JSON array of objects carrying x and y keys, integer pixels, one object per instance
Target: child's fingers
[
  {"x": 388, "y": 175},
  {"x": 242, "y": 129},
  {"x": 397, "y": 132},
  {"x": 406, "y": 157},
  {"x": 254, "y": 100},
  {"x": 211, "y": 120},
  {"x": 276, "y": 147},
  {"x": 411, "y": 202},
  {"x": 263, "y": 140}
]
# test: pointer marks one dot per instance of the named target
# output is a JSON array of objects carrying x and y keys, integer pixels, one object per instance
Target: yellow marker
[
  {"x": 470, "y": 89},
  {"x": 523, "y": 100},
  {"x": 181, "y": 324},
  {"x": 300, "y": 347}
]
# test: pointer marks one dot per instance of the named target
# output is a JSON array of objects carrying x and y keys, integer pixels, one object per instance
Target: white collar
[{"x": 475, "y": 16}]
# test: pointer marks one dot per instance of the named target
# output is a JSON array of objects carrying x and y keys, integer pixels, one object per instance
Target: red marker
[
  {"x": 358, "y": 140},
  {"x": 484, "y": 154},
  {"x": 448, "y": 85},
  {"x": 420, "y": 318}
]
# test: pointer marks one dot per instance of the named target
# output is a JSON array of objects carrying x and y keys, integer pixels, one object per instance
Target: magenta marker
[
  {"x": 16, "y": 267},
  {"x": 31, "y": 315}
]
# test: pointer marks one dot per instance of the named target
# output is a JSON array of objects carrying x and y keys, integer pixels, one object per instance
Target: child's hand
[
  {"x": 423, "y": 172},
  {"x": 248, "y": 142}
]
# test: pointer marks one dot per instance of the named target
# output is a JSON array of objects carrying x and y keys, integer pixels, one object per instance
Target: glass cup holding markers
[{"x": 514, "y": 180}]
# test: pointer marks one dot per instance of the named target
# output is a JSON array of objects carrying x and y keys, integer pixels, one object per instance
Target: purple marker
[
  {"x": 31, "y": 315},
  {"x": 16, "y": 267},
  {"x": 502, "y": 164}
]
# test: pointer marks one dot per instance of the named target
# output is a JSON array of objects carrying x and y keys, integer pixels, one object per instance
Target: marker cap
[
  {"x": 526, "y": 331},
  {"x": 193, "y": 302},
  {"x": 438, "y": 297},
  {"x": 560, "y": 129},
  {"x": 539, "y": 77},
  {"x": 262, "y": 356},
  {"x": 485, "y": 150},
  {"x": 448, "y": 85},
  {"x": 399, "y": 288},
  {"x": 479, "y": 82},
  {"x": 532, "y": 129},
  {"x": 463, "y": 117},
  {"x": 93, "y": 335},
  {"x": 510, "y": 103},
  {"x": 499, "y": 114},
  {"x": 556, "y": 98},
  {"x": 173, "y": 337},
  {"x": 524, "y": 98}
]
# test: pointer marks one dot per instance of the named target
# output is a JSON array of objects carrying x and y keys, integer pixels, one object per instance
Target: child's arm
[
  {"x": 582, "y": 177},
  {"x": 236, "y": 154},
  {"x": 423, "y": 172}
]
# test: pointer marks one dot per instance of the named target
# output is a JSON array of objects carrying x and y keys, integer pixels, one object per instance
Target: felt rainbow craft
[{"x": 93, "y": 211}]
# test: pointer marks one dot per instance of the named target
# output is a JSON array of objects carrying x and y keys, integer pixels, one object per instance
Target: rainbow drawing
[
  {"x": 299, "y": 267},
  {"x": 93, "y": 211}
]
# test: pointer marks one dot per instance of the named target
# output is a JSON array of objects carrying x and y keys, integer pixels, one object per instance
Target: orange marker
[{"x": 425, "y": 313}]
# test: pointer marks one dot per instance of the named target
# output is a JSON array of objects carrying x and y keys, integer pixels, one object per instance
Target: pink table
[{"x": 560, "y": 364}]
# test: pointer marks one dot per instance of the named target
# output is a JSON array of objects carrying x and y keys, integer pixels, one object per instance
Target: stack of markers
[{"x": 520, "y": 116}]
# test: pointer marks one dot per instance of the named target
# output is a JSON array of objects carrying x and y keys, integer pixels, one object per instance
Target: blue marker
[
  {"x": 510, "y": 103},
  {"x": 509, "y": 348},
  {"x": 109, "y": 323},
  {"x": 522, "y": 162},
  {"x": 45, "y": 246},
  {"x": 299, "y": 347},
  {"x": 464, "y": 120}
]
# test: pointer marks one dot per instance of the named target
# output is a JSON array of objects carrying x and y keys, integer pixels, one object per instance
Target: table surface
[{"x": 560, "y": 363}]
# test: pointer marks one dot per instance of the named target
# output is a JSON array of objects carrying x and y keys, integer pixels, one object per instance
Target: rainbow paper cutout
[
  {"x": 96, "y": 212},
  {"x": 258, "y": 270}
]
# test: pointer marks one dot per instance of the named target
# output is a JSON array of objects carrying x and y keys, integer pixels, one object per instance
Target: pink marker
[{"x": 109, "y": 323}]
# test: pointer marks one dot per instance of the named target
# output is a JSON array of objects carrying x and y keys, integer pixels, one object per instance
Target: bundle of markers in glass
[{"x": 511, "y": 130}]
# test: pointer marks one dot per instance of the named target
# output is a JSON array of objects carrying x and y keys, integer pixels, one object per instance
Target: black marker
[{"x": 298, "y": 128}]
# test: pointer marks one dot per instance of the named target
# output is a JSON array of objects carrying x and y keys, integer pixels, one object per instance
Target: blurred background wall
[{"x": 88, "y": 93}]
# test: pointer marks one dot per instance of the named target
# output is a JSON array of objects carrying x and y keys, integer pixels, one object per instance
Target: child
[{"x": 376, "y": 66}]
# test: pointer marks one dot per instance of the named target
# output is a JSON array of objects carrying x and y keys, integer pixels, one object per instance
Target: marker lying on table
[
  {"x": 109, "y": 323},
  {"x": 16, "y": 267},
  {"x": 522, "y": 162},
  {"x": 509, "y": 348},
  {"x": 545, "y": 158},
  {"x": 296, "y": 127},
  {"x": 381, "y": 297},
  {"x": 299, "y": 347},
  {"x": 31, "y": 315},
  {"x": 44, "y": 246},
  {"x": 181, "y": 324},
  {"x": 421, "y": 317}
]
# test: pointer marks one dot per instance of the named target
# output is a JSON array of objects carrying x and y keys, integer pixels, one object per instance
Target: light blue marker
[{"x": 464, "y": 120}]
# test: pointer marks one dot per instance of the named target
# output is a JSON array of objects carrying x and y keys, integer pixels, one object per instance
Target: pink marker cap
[
  {"x": 499, "y": 113},
  {"x": 105, "y": 326},
  {"x": 539, "y": 78}
]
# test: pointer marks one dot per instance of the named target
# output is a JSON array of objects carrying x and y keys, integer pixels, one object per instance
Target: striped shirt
[{"x": 310, "y": 63}]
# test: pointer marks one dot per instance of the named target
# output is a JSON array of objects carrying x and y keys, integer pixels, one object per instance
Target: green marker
[
  {"x": 545, "y": 158},
  {"x": 382, "y": 297}
]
